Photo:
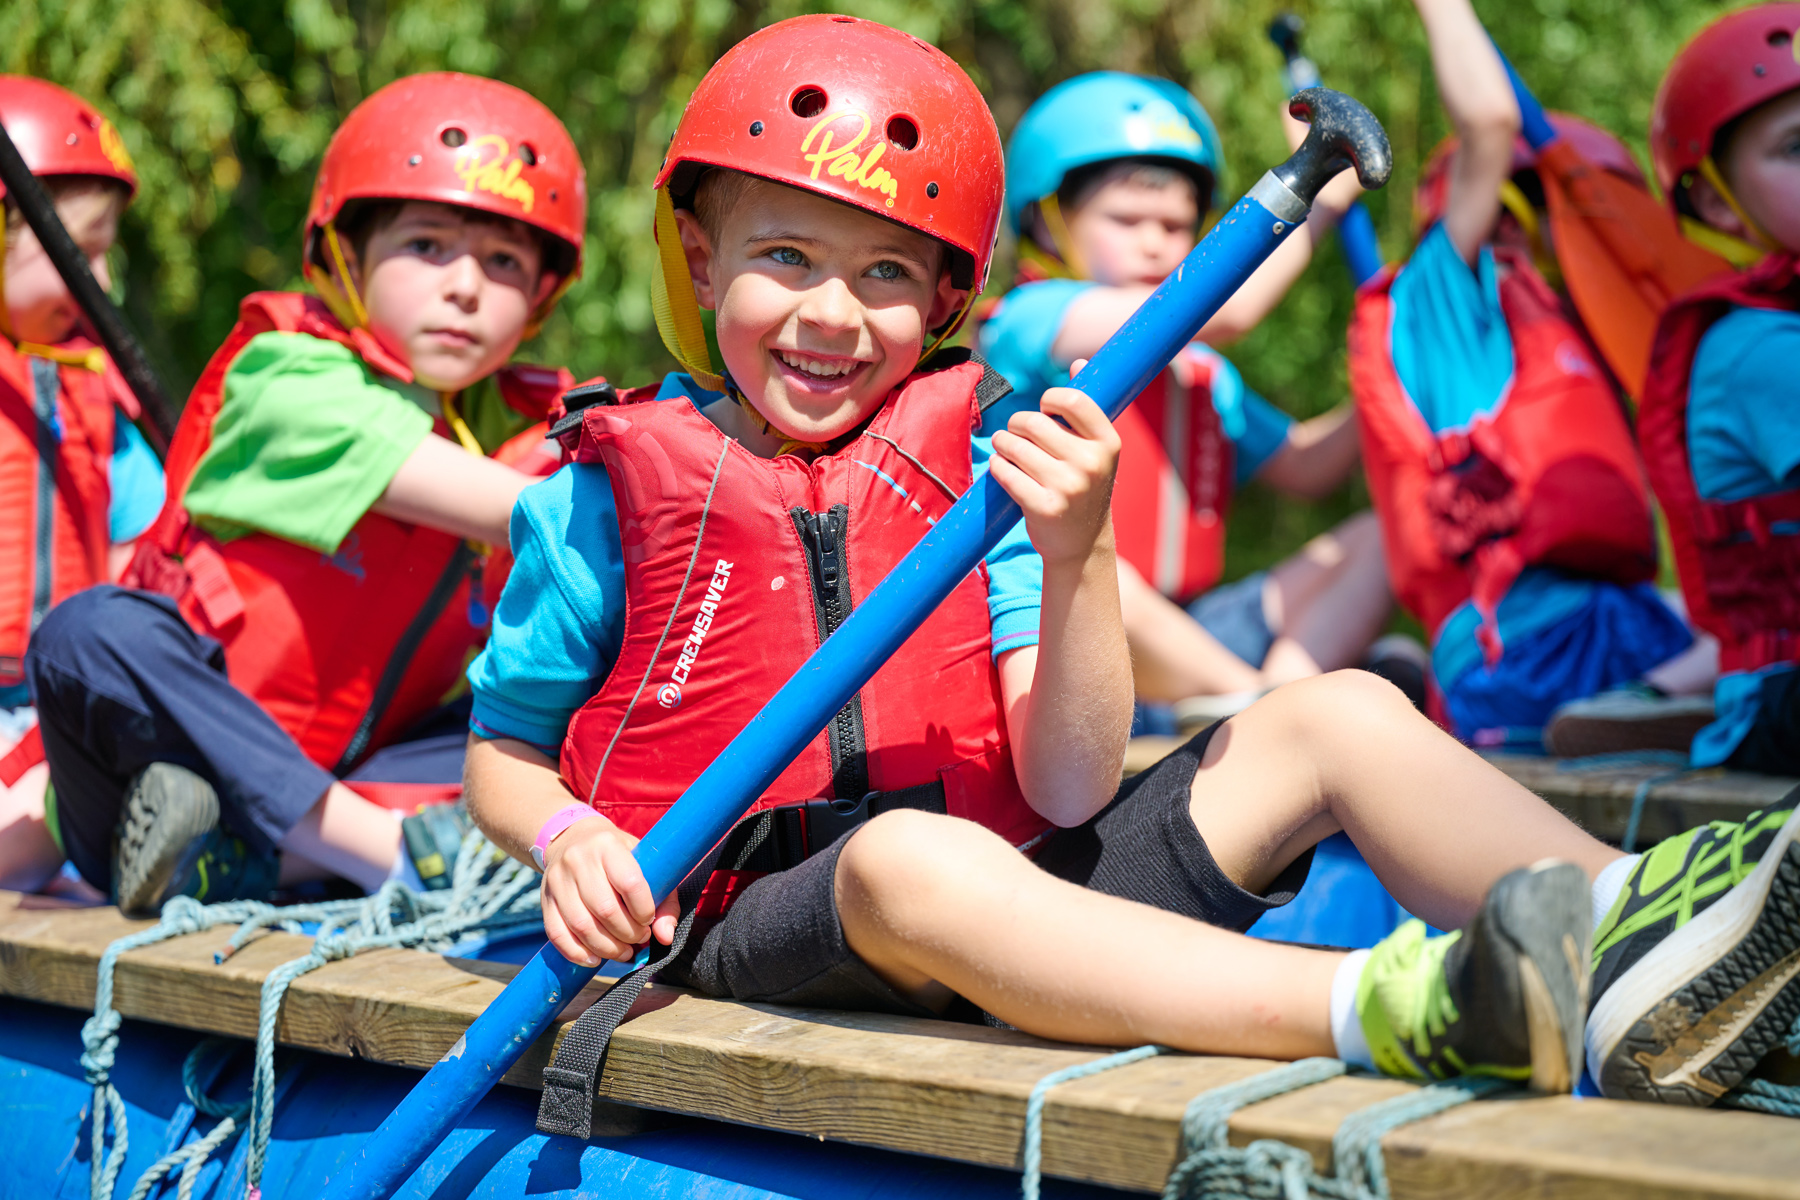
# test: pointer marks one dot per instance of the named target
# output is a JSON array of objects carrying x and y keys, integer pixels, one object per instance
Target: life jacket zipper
[
  {"x": 45, "y": 386},
  {"x": 826, "y": 539}
]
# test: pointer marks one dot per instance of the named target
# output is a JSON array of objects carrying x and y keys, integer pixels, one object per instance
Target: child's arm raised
[
  {"x": 1479, "y": 100},
  {"x": 1068, "y": 699},
  {"x": 442, "y": 486},
  {"x": 596, "y": 902}
]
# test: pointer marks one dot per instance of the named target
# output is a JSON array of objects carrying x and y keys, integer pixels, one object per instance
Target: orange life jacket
[
  {"x": 1549, "y": 477},
  {"x": 1174, "y": 482},
  {"x": 738, "y": 567},
  {"x": 56, "y": 445},
  {"x": 345, "y": 650},
  {"x": 1739, "y": 561}
]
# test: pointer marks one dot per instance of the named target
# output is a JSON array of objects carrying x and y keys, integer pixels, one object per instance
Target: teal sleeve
[
  {"x": 136, "y": 479},
  {"x": 1452, "y": 349},
  {"x": 1744, "y": 405},
  {"x": 561, "y": 617},
  {"x": 306, "y": 441},
  {"x": 1257, "y": 429},
  {"x": 1017, "y": 338},
  {"x": 1015, "y": 572}
]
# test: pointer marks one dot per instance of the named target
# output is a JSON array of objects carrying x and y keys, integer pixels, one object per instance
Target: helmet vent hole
[
  {"x": 809, "y": 102},
  {"x": 1780, "y": 37},
  {"x": 528, "y": 154},
  {"x": 843, "y": 20},
  {"x": 453, "y": 137},
  {"x": 903, "y": 133}
]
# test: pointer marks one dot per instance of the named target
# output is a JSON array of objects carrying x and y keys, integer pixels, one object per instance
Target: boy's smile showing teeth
[{"x": 819, "y": 368}]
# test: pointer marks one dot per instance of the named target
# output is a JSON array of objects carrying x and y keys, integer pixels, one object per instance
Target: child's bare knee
[
  {"x": 906, "y": 857},
  {"x": 1339, "y": 702}
]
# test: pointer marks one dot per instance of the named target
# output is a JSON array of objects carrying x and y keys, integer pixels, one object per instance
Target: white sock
[
  {"x": 1346, "y": 1026},
  {"x": 1608, "y": 883}
]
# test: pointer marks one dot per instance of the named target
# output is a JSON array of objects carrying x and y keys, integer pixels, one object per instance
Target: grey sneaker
[
  {"x": 1633, "y": 717},
  {"x": 170, "y": 844}
]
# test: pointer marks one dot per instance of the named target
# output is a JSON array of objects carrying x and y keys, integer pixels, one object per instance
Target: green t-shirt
[{"x": 308, "y": 437}]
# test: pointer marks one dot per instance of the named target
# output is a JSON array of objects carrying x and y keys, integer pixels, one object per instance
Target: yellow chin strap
[
  {"x": 93, "y": 359},
  {"x": 1072, "y": 264},
  {"x": 1742, "y": 253},
  {"x": 335, "y": 285},
  {"x": 1516, "y": 203},
  {"x": 672, "y": 300}
]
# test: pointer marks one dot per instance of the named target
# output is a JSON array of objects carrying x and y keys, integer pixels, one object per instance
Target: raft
[{"x": 708, "y": 1098}]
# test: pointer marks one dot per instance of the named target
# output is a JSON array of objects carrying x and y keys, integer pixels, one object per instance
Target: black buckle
[{"x": 828, "y": 820}]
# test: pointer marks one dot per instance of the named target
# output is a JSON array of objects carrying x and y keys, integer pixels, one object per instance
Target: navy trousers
[{"x": 120, "y": 681}]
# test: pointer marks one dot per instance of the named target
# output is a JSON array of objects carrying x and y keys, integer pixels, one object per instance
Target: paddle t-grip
[{"x": 1342, "y": 133}]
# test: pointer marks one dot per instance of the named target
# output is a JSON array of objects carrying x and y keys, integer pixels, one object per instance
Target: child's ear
[
  {"x": 1713, "y": 209},
  {"x": 698, "y": 247},
  {"x": 946, "y": 302},
  {"x": 548, "y": 282}
]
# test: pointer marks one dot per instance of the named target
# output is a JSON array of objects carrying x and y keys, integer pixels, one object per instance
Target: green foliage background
[{"x": 226, "y": 105}]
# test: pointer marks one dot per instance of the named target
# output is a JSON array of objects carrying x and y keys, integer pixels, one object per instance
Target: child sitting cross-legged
[{"x": 702, "y": 543}]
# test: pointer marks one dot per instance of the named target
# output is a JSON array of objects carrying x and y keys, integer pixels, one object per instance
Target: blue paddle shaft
[
  {"x": 1343, "y": 134},
  {"x": 1532, "y": 122}
]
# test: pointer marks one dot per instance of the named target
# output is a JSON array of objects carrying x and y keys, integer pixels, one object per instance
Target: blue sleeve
[
  {"x": 1744, "y": 405},
  {"x": 1015, "y": 572},
  {"x": 561, "y": 617},
  {"x": 1451, "y": 347},
  {"x": 1017, "y": 338},
  {"x": 1257, "y": 429},
  {"x": 136, "y": 481}
]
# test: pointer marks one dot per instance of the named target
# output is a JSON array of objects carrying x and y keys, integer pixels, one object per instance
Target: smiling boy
[
  {"x": 958, "y": 831},
  {"x": 338, "y": 487}
]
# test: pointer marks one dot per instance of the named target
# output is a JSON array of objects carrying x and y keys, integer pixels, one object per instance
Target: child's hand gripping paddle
[
  {"x": 1344, "y": 134},
  {"x": 1356, "y": 232},
  {"x": 34, "y": 204},
  {"x": 1622, "y": 255}
]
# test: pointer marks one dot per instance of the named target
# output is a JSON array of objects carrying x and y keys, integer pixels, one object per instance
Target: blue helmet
[{"x": 1100, "y": 116}]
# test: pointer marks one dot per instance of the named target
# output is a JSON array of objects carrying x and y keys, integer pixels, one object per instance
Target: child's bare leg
[
  {"x": 348, "y": 836},
  {"x": 936, "y": 906},
  {"x": 1327, "y": 602},
  {"x": 1347, "y": 751},
  {"x": 28, "y": 854}
]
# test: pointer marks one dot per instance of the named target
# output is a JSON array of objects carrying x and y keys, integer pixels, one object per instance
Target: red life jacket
[
  {"x": 713, "y": 627},
  {"x": 56, "y": 445},
  {"x": 346, "y": 650},
  {"x": 1174, "y": 482},
  {"x": 1550, "y": 477},
  {"x": 1740, "y": 576}
]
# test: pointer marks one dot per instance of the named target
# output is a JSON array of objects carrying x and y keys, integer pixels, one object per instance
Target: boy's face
[
  {"x": 37, "y": 300},
  {"x": 448, "y": 295},
  {"x": 1128, "y": 234},
  {"x": 1762, "y": 165},
  {"x": 822, "y": 308}
]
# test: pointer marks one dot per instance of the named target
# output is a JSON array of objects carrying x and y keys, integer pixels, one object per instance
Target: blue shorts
[{"x": 1233, "y": 614}]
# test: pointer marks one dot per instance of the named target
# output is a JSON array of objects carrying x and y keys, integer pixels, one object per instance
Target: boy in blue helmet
[{"x": 1109, "y": 176}]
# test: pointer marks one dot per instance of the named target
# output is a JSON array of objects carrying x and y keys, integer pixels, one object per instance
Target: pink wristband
[{"x": 564, "y": 818}]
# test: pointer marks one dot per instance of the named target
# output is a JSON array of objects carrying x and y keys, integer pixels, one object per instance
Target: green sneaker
[
  {"x": 1697, "y": 966},
  {"x": 170, "y": 844},
  {"x": 433, "y": 839},
  {"x": 1504, "y": 997}
]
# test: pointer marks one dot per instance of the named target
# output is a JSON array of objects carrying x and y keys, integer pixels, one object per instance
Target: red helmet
[
  {"x": 59, "y": 133},
  {"x": 1740, "y": 61},
  {"x": 858, "y": 112},
  {"x": 455, "y": 139},
  {"x": 1593, "y": 143}
]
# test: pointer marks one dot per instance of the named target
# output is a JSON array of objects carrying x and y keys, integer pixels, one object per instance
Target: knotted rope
[
  {"x": 1764, "y": 1096},
  {"x": 491, "y": 897},
  {"x": 1213, "y": 1169}
]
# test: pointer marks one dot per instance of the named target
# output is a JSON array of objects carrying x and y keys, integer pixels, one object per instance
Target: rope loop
[{"x": 490, "y": 898}]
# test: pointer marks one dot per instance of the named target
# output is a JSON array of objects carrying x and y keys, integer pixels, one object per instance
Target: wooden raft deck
[
  {"x": 1599, "y": 798},
  {"x": 928, "y": 1087}
]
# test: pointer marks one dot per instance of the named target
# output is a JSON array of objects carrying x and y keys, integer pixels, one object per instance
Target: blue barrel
[{"x": 327, "y": 1107}]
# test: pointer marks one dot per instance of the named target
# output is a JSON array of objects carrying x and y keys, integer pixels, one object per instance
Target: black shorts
[{"x": 781, "y": 942}]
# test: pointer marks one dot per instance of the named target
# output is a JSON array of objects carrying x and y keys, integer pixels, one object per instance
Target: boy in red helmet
[
  {"x": 947, "y": 839},
  {"x": 339, "y": 491},
  {"x": 78, "y": 483},
  {"x": 1720, "y": 417},
  {"x": 1514, "y": 514}
]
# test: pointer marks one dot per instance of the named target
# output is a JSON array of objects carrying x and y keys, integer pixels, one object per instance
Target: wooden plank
[
  {"x": 929, "y": 1087},
  {"x": 1599, "y": 799}
]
